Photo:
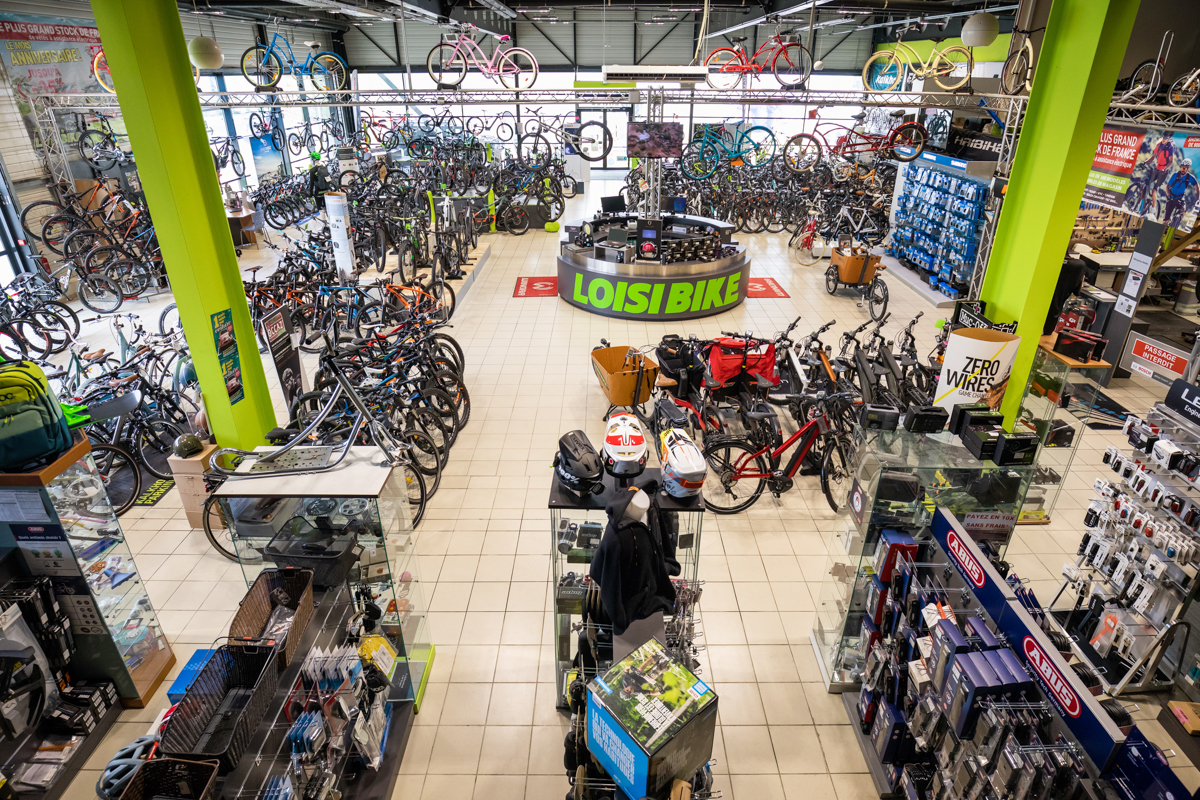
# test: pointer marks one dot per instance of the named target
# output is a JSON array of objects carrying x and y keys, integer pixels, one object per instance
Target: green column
[
  {"x": 1080, "y": 57},
  {"x": 144, "y": 44}
]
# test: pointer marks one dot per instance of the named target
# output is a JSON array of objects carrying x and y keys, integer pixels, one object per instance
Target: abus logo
[
  {"x": 965, "y": 559},
  {"x": 1054, "y": 680},
  {"x": 36, "y": 529}
]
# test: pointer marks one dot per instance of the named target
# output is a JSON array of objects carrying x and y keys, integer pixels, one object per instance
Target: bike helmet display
[
  {"x": 577, "y": 464},
  {"x": 121, "y": 768},
  {"x": 683, "y": 466},
  {"x": 624, "y": 446},
  {"x": 186, "y": 445}
]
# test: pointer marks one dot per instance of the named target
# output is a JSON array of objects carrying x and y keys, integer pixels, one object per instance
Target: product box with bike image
[{"x": 650, "y": 720}]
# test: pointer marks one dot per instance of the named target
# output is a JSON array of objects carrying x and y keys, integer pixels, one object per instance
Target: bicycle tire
[
  {"x": 447, "y": 342},
  {"x": 723, "y": 58},
  {"x": 524, "y": 72},
  {"x": 425, "y": 457},
  {"x": 213, "y": 520},
  {"x": 333, "y": 73},
  {"x": 257, "y": 128},
  {"x": 444, "y": 292},
  {"x": 891, "y": 72},
  {"x": 277, "y": 141},
  {"x": 837, "y": 465},
  {"x": 911, "y": 135},
  {"x": 120, "y": 474},
  {"x": 452, "y": 384},
  {"x": 237, "y": 162},
  {"x": 102, "y": 73},
  {"x": 952, "y": 82},
  {"x": 1014, "y": 75},
  {"x": 417, "y": 495},
  {"x": 57, "y": 329},
  {"x": 94, "y": 147},
  {"x": 533, "y": 150},
  {"x": 34, "y": 216},
  {"x": 721, "y": 478},
  {"x": 605, "y": 138},
  {"x": 796, "y": 66},
  {"x": 1184, "y": 91},
  {"x": 256, "y": 63},
  {"x": 154, "y": 438},
  {"x": 516, "y": 220},
  {"x": 441, "y": 403},
  {"x": 82, "y": 241},
  {"x": 57, "y": 228},
  {"x": 12, "y": 346},
  {"x": 37, "y": 342},
  {"x": 99, "y": 293},
  {"x": 877, "y": 300},
  {"x": 699, "y": 159},
  {"x": 450, "y": 65},
  {"x": 132, "y": 276}
]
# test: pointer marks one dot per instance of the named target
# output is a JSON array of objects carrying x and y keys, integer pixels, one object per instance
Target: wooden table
[{"x": 239, "y": 224}]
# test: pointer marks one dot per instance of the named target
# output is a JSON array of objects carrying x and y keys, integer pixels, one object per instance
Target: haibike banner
[
  {"x": 1146, "y": 173},
  {"x": 652, "y": 298},
  {"x": 973, "y": 145},
  {"x": 976, "y": 367}
]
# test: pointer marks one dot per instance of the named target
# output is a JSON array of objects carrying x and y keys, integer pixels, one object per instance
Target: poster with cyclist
[{"x": 1147, "y": 173}]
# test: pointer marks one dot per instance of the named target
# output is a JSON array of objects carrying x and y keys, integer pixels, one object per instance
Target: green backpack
[{"x": 33, "y": 429}]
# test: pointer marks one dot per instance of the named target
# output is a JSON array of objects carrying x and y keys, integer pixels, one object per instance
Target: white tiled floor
[{"x": 488, "y": 729}]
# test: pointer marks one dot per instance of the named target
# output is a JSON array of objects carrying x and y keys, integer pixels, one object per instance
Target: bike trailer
[
  {"x": 33, "y": 428},
  {"x": 725, "y": 360}
]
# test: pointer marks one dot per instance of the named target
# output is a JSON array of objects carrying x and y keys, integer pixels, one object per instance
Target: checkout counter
[{"x": 677, "y": 267}]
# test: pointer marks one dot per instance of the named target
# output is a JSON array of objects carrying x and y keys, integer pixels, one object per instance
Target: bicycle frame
[
  {"x": 469, "y": 50},
  {"x": 768, "y": 49},
  {"x": 810, "y": 432},
  {"x": 306, "y": 67},
  {"x": 847, "y": 143}
]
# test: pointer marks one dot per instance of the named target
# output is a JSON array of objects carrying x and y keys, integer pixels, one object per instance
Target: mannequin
[{"x": 631, "y": 569}]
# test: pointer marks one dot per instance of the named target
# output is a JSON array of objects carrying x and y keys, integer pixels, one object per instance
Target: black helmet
[
  {"x": 186, "y": 445},
  {"x": 577, "y": 464}
]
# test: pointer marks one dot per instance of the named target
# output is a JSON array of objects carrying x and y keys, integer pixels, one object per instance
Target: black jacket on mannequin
[{"x": 634, "y": 562}]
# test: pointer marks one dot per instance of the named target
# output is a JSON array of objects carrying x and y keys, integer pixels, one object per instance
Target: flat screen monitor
[
  {"x": 655, "y": 139},
  {"x": 612, "y": 205},
  {"x": 618, "y": 236}
]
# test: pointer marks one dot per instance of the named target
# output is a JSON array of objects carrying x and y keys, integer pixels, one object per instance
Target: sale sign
[
  {"x": 1146, "y": 173},
  {"x": 537, "y": 286}
]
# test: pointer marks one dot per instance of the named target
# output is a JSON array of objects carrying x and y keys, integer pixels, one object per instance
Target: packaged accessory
[{"x": 925, "y": 419}]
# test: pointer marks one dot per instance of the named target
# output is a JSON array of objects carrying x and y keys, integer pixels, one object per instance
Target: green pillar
[
  {"x": 144, "y": 44},
  {"x": 1081, "y": 55}
]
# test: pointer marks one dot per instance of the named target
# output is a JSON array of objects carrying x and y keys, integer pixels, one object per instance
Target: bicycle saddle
[
  {"x": 939, "y": 39},
  {"x": 663, "y": 380},
  {"x": 899, "y": 112},
  {"x": 709, "y": 383},
  {"x": 314, "y": 45},
  {"x": 860, "y": 115},
  {"x": 95, "y": 355},
  {"x": 737, "y": 39},
  {"x": 279, "y": 435},
  {"x": 253, "y": 269},
  {"x": 764, "y": 381},
  {"x": 760, "y": 415}
]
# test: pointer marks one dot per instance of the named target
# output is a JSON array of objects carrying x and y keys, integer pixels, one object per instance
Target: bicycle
[
  {"x": 1185, "y": 91},
  {"x": 941, "y": 66},
  {"x": 261, "y": 127},
  {"x": 98, "y": 146},
  {"x": 103, "y": 74},
  {"x": 740, "y": 469},
  {"x": 790, "y": 62},
  {"x": 447, "y": 62},
  {"x": 226, "y": 153},
  {"x": 755, "y": 146},
  {"x": 533, "y": 148},
  {"x": 873, "y": 293},
  {"x": 505, "y": 130},
  {"x": 1017, "y": 74},
  {"x": 97, "y": 292},
  {"x": 262, "y": 65},
  {"x": 804, "y": 151},
  {"x": 428, "y": 123}
]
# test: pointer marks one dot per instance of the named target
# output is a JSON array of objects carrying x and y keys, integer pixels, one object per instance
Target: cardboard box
[
  {"x": 188, "y": 674},
  {"x": 650, "y": 720},
  {"x": 193, "y": 465},
  {"x": 1188, "y": 715}
]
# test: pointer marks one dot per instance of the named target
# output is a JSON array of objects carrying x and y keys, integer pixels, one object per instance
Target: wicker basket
[
  {"x": 170, "y": 777},
  {"x": 221, "y": 709},
  {"x": 256, "y": 608}
]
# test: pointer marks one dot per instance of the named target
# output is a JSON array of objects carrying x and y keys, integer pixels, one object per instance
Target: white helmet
[
  {"x": 624, "y": 446},
  {"x": 683, "y": 466}
]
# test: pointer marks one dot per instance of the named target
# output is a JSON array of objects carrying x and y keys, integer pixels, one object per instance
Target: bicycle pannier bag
[{"x": 33, "y": 429}]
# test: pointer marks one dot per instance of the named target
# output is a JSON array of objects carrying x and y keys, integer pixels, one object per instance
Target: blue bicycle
[{"x": 262, "y": 65}]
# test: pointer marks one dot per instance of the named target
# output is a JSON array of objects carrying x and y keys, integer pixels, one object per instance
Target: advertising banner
[
  {"x": 1147, "y": 173},
  {"x": 976, "y": 367},
  {"x": 338, "y": 210},
  {"x": 277, "y": 330},
  {"x": 227, "y": 354}
]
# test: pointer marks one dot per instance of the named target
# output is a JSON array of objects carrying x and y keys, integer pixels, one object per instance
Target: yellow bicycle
[{"x": 884, "y": 70}]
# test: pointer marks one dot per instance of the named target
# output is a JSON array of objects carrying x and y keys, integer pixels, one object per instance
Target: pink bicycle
[{"x": 448, "y": 61}]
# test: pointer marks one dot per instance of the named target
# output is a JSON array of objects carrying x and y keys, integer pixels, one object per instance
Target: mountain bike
[
  {"x": 261, "y": 127},
  {"x": 98, "y": 146},
  {"x": 504, "y": 123},
  {"x": 533, "y": 147},
  {"x": 739, "y": 469},
  {"x": 97, "y": 292},
  {"x": 447, "y": 62},
  {"x": 884, "y": 70},
  {"x": 226, "y": 153},
  {"x": 787, "y": 59},
  {"x": 754, "y": 147},
  {"x": 428, "y": 123},
  {"x": 262, "y": 65},
  {"x": 1017, "y": 74}
]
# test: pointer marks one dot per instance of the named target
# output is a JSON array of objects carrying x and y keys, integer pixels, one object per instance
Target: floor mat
[
  {"x": 765, "y": 287},
  {"x": 1108, "y": 414},
  {"x": 536, "y": 287},
  {"x": 153, "y": 492}
]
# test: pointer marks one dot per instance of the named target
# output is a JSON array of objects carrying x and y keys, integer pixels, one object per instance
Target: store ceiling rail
[{"x": 1148, "y": 116}]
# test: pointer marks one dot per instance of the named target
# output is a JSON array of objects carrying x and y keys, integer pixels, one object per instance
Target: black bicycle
[{"x": 225, "y": 153}]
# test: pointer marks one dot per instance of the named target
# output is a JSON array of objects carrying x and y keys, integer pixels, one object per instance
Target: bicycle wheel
[
  {"x": 82, "y": 241},
  {"x": 837, "y": 474},
  {"x": 34, "y": 216},
  {"x": 504, "y": 132},
  {"x": 518, "y": 69},
  {"x": 831, "y": 279},
  {"x": 425, "y": 454},
  {"x": 594, "y": 133},
  {"x": 453, "y": 385},
  {"x": 811, "y": 248},
  {"x": 726, "y": 490},
  {"x": 36, "y": 341},
  {"x": 944, "y": 67},
  {"x": 802, "y": 152},
  {"x": 882, "y": 72},
  {"x": 569, "y": 186},
  {"x": 103, "y": 74},
  {"x": 133, "y": 277},
  {"x": 12, "y": 346},
  {"x": 236, "y": 161},
  {"x": 119, "y": 472},
  {"x": 451, "y": 349},
  {"x": 416, "y": 493},
  {"x": 261, "y": 67},
  {"x": 725, "y": 68},
  {"x": 515, "y": 220},
  {"x": 1184, "y": 91},
  {"x": 329, "y": 72},
  {"x": 54, "y": 326},
  {"x": 446, "y": 299},
  {"x": 910, "y": 135},
  {"x": 792, "y": 64},
  {"x": 756, "y": 146},
  {"x": 95, "y": 147},
  {"x": 533, "y": 150},
  {"x": 57, "y": 228},
  {"x": 154, "y": 439},
  {"x": 99, "y": 293},
  {"x": 446, "y": 65},
  {"x": 877, "y": 299},
  {"x": 257, "y": 128},
  {"x": 1014, "y": 76},
  {"x": 277, "y": 139},
  {"x": 295, "y": 143},
  {"x": 217, "y": 529},
  {"x": 454, "y": 125},
  {"x": 699, "y": 159}
]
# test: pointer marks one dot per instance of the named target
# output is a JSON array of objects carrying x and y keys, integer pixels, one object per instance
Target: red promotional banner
[
  {"x": 765, "y": 287},
  {"x": 536, "y": 286},
  {"x": 47, "y": 32}
]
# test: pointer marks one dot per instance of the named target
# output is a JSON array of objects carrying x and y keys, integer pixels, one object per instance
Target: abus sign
[
  {"x": 969, "y": 565},
  {"x": 1056, "y": 683}
]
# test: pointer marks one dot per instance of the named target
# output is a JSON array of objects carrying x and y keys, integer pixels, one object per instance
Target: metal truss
[
  {"x": 1145, "y": 116},
  {"x": 54, "y": 154},
  {"x": 651, "y": 205}
]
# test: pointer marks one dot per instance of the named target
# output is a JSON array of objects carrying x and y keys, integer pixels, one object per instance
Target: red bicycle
[
  {"x": 804, "y": 150},
  {"x": 739, "y": 468},
  {"x": 787, "y": 58}
]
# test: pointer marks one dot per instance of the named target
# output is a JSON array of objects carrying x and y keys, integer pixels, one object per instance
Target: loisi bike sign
[{"x": 651, "y": 297}]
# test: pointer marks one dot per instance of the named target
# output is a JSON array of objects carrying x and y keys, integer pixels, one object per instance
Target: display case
[
  {"x": 61, "y": 521},
  {"x": 572, "y": 558},
  {"x": 1059, "y": 401},
  {"x": 351, "y": 525},
  {"x": 899, "y": 479}
]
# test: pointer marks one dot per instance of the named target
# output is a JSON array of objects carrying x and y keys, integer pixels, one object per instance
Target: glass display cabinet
[
  {"x": 576, "y": 525},
  {"x": 899, "y": 479},
  {"x": 1059, "y": 401},
  {"x": 61, "y": 521},
  {"x": 351, "y": 525}
]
